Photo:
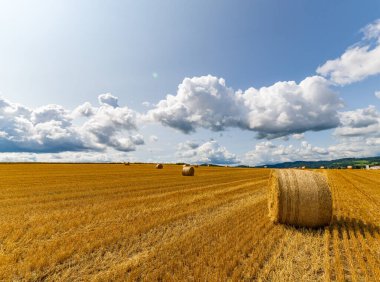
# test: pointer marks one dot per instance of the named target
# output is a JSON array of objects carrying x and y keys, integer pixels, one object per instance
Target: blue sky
[{"x": 59, "y": 56}]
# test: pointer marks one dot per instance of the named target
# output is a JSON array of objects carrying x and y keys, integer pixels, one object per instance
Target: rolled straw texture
[
  {"x": 188, "y": 171},
  {"x": 299, "y": 197}
]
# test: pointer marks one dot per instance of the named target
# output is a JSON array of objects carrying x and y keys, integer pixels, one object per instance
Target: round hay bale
[
  {"x": 126, "y": 163},
  {"x": 196, "y": 166},
  {"x": 188, "y": 171},
  {"x": 159, "y": 166},
  {"x": 298, "y": 197}
]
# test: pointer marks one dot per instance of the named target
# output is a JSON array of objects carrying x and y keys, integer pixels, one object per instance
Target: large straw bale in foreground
[
  {"x": 299, "y": 197},
  {"x": 188, "y": 171}
]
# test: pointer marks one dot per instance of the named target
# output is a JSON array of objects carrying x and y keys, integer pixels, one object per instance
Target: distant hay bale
[
  {"x": 322, "y": 167},
  {"x": 303, "y": 167},
  {"x": 349, "y": 167},
  {"x": 127, "y": 163},
  {"x": 159, "y": 166},
  {"x": 301, "y": 198},
  {"x": 196, "y": 166},
  {"x": 188, "y": 171}
]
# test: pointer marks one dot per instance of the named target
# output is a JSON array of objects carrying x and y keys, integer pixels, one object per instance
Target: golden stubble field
[{"x": 95, "y": 222}]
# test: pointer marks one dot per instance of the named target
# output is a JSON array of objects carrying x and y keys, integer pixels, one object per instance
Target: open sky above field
[{"x": 251, "y": 82}]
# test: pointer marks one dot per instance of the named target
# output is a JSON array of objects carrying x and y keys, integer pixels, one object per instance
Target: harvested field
[{"x": 114, "y": 222}]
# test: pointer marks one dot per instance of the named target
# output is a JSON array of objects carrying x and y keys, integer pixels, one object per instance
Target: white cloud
[
  {"x": 208, "y": 152},
  {"x": 360, "y": 122},
  {"x": 107, "y": 126},
  {"x": 200, "y": 102},
  {"x": 153, "y": 138},
  {"x": 377, "y": 94},
  {"x": 84, "y": 110},
  {"x": 357, "y": 62},
  {"x": 75, "y": 157},
  {"x": 278, "y": 110},
  {"x": 269, "y": 153},
  {"x": 286, "y": 107},
  {"x": 51, "y": 128},
  {"x": 108, "y": 99},
  {"x": 49, "y": 113},
  {"x": 298, "y": 136},
  {"x": 357, "y": 136},
  {"x": 147, "y": 104}
]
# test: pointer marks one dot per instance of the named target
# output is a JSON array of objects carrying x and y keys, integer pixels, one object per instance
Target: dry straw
[
  {"x": 159, "y": 166},
  {"x": 299, "y": 197},
  {"x": 188, "y": 171}
]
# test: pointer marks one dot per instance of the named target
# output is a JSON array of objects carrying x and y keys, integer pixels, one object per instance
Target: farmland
[{"x": 104, "y": 222}]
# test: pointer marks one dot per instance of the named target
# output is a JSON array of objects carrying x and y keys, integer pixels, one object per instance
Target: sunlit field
[{"x": 103, "y": 222}]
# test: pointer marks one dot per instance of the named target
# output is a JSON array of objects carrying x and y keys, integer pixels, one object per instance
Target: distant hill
[{"x": 339, "y": 163}]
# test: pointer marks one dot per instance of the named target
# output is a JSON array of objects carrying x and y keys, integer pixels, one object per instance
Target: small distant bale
[
  {"x": 188, "y": 171},
  {"x": 196, "y": 166},
  {"x": 159, "y": 166},
  {"x": 127, "y": 163},
  {"x": 208, "y": 165},
  {"x": 349, "y": 167},
  {"x": 367, "y": 167},
  {"x": 321, "y": 167},
  {"x": 303, "y": 167},
  {"x": 265, "y": 166},
  {"x": 300, "y": 198}
]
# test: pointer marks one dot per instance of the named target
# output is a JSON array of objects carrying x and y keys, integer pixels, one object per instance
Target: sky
[{"x": 253, "y": 82}]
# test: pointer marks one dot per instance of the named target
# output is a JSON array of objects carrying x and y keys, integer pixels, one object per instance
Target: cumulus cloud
[
  {"x": 208, "y": 152},
  {"x": 358, "y": 61},
  {"x": 357, "y": 136},
  {"x": 106, "y": 127},
  {"x": 108, "y": 100},
  {"x": 377, "y": 94},
  {"x": 359, "y": 123},
  {"x": 287, "y": 107},
  {"x": 269, "y": 153},
  {"x": 200, "y": 102},
  {"x": 47, "y": 128},
  {"x": 84, "y": 110},
  {"x": 275, "y": 111},
  {"x": 75, "y": 157},
  {"x": 51, "y": 128}
]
